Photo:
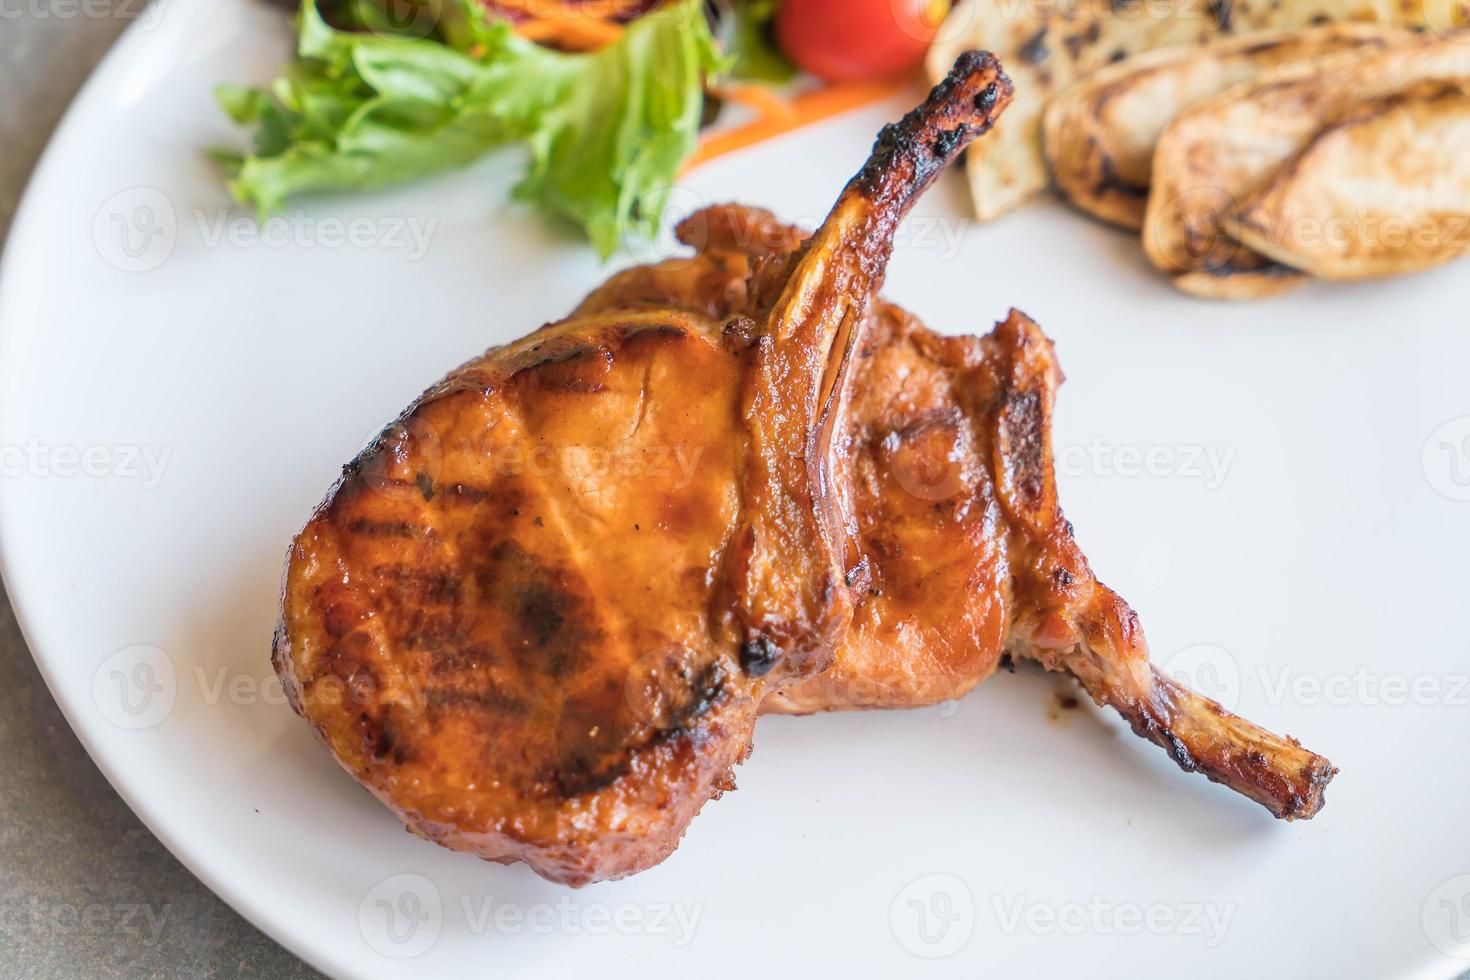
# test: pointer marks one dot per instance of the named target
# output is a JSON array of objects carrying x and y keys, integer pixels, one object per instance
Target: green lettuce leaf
[
  {"x": 607, "y": 154},
  {"x": 607, "y": 130}
]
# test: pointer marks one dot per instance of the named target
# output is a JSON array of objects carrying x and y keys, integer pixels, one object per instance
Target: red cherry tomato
[{"x": 853, "y": 40}]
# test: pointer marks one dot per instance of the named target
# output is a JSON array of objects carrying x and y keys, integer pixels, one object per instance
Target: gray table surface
[{"x": 85, "y": 890}]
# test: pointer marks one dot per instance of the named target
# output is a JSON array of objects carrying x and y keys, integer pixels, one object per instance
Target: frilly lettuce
[{"x": 607, "y": 130}]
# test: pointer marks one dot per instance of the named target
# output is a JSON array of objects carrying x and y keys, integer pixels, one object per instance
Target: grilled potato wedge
[
  {"x": 1385, "y": 192},
  {"x": 1238, "y": 274},
  {"x": 1046, "y": 45},
  {"x": 1099, "y": 135},
  {"x": 1213, "y": 157}
]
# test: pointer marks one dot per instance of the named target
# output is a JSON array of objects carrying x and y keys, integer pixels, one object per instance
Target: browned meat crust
[{"x": 539, "y": 616}]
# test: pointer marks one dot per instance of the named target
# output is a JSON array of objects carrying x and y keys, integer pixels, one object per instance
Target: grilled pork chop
[{"x": 539, "y": 616}]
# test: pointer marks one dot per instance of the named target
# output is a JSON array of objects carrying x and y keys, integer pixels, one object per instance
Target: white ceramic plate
[{"x": 1281, "y": 489}]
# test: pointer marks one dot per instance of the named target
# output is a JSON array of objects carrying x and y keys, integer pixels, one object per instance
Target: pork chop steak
[{"x": 539, "y": 616}]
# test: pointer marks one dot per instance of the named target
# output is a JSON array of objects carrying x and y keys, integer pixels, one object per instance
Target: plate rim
[{"x": 27, "y": 214}]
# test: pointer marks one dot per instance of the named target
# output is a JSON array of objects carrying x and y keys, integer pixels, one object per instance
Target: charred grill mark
[
  {"x": 670, "y": 687},
  {"x": 439, "y": 633},
  {"x": 462, "y": 659},
  {"x": 552, "y": 350},
  {"x": 467, "y": 381},
  {"x": 662, "y": 331},
  {"x": 708, "y": 690},
  {"x": 463, "y": 493},
  {"x": 595, "y": 740},
  {"x": 583, "y": 372},
  {"x": 388, "y": 735},
  {"x": 414, "y": 585},
  {"x": 542, "y": 614},
  {"x": 548, "y": 624},
  {"x": 594, "y": 758},
  {"x": 369, "y": 528},
  {"x": 481, "y": 698},
  {"x": 582, "y": 773},
  {"x": 533, "y": 363},
  {"x": 506, "y": 496}
]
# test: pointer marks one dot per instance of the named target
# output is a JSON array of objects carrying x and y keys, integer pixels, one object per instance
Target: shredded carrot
[
  {"x": 765, "y": 102},
  {"x": 618, "y": 10},
  {"x": 572, "y": 31},
  {"x": 575, "y": 30},
  {"x": 805, "y": 109}
]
